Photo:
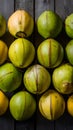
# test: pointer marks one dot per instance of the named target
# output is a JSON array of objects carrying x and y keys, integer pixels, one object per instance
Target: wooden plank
[
  {"x": 64, "y": 123},
  {"x": 6, "y": 8},
  {"x": 28, "y": 6},
  {"x": 24, "y": 4},
  {"x": 69, "y": 122},
  {"x": 25, "y": 125},
  {"x": 43, "y": 123},
  {"x": 6, "y": 122},
  {"x": 41, "y": 6},
  {"x": 64, "y": 8}
]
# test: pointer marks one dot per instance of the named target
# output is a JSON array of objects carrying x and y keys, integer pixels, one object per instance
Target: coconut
[
  {"x": 37, "y": 79},
  {"x": 51, "y": 105},
  {"x": 21, "y": 52},
  {"x": 10, "y": 77},
  {"x": 22, "y": 105},
  {"x": 63, "y": 78},
  {"x": 49, "y": 24},
  {"x": 20, "y": 24},
  {"x": 50, "y": 53}
]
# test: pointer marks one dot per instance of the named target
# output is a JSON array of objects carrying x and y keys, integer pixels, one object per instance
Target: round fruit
[
  {"x": 21, "y": 52},
  {"x": 37, "y": 79},
  {"x": 69, "y": 51},
  {"x": 22, "y": 105},
  {"x": 3, "y": 52},
  {"x": 51, "y": 105},
  {"x": 63, "y": 78},
  {"x": 2, "y": 25},
  {"x": 10, "y": 77},
  {"x": 4, "y": 102},
  {"x": 49, "y": 24},
  {"x": 70, "y": 105},
  {"x": 50, "y": 53},
  {"x": 20, "y": 24},
  {"x": 69, "y": 25}
]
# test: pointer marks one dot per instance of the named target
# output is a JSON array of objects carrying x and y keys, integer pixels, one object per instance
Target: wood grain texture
[
  {"x": 25, "y": 125},
  {"x": 64, "y": 123},
  {"x": 6, "y": 122},
  {"x": 43, "y": 123},
  {"x": 64, "y": 7},
  {"x": 24, "y": 4},
  {"x": 6, "y": 8},
  {"x": 42, "y": 5}
]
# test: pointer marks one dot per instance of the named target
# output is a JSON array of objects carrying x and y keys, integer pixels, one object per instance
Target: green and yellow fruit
[
  {"x": 3, "y": 52},
  {"x": 37, "y": 79},
  {"x": 2, "y": 25},
  {"x": 4, "y": 103},
  {"x": 70, "y": 105},
  {"x": 63, "y": 79},
  {"x": 69, "y": 51},
  {"x": 50, "y": 53},
  {"x": 10, "y": 77},
  {"x": 21, "y": 52},
  {"x": 49, "y": 24},
  {"x": 52, "y": 105},
  {"x": 69, "y": 25},
  {"x": 22, "y": 105},
  {"x": 20, "y": 24}
]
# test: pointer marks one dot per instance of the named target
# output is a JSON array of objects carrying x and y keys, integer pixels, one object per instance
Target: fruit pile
[{"x": 18, "y": 67}]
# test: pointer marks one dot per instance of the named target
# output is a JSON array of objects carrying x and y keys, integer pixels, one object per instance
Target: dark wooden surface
[{"x": 35, "y": 8}]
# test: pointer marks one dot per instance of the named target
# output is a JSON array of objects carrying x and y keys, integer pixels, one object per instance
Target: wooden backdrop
[{"x": 35, "y": 8}]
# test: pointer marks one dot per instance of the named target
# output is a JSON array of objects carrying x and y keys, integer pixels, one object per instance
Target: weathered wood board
[{"x": 35, "y": 8}]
